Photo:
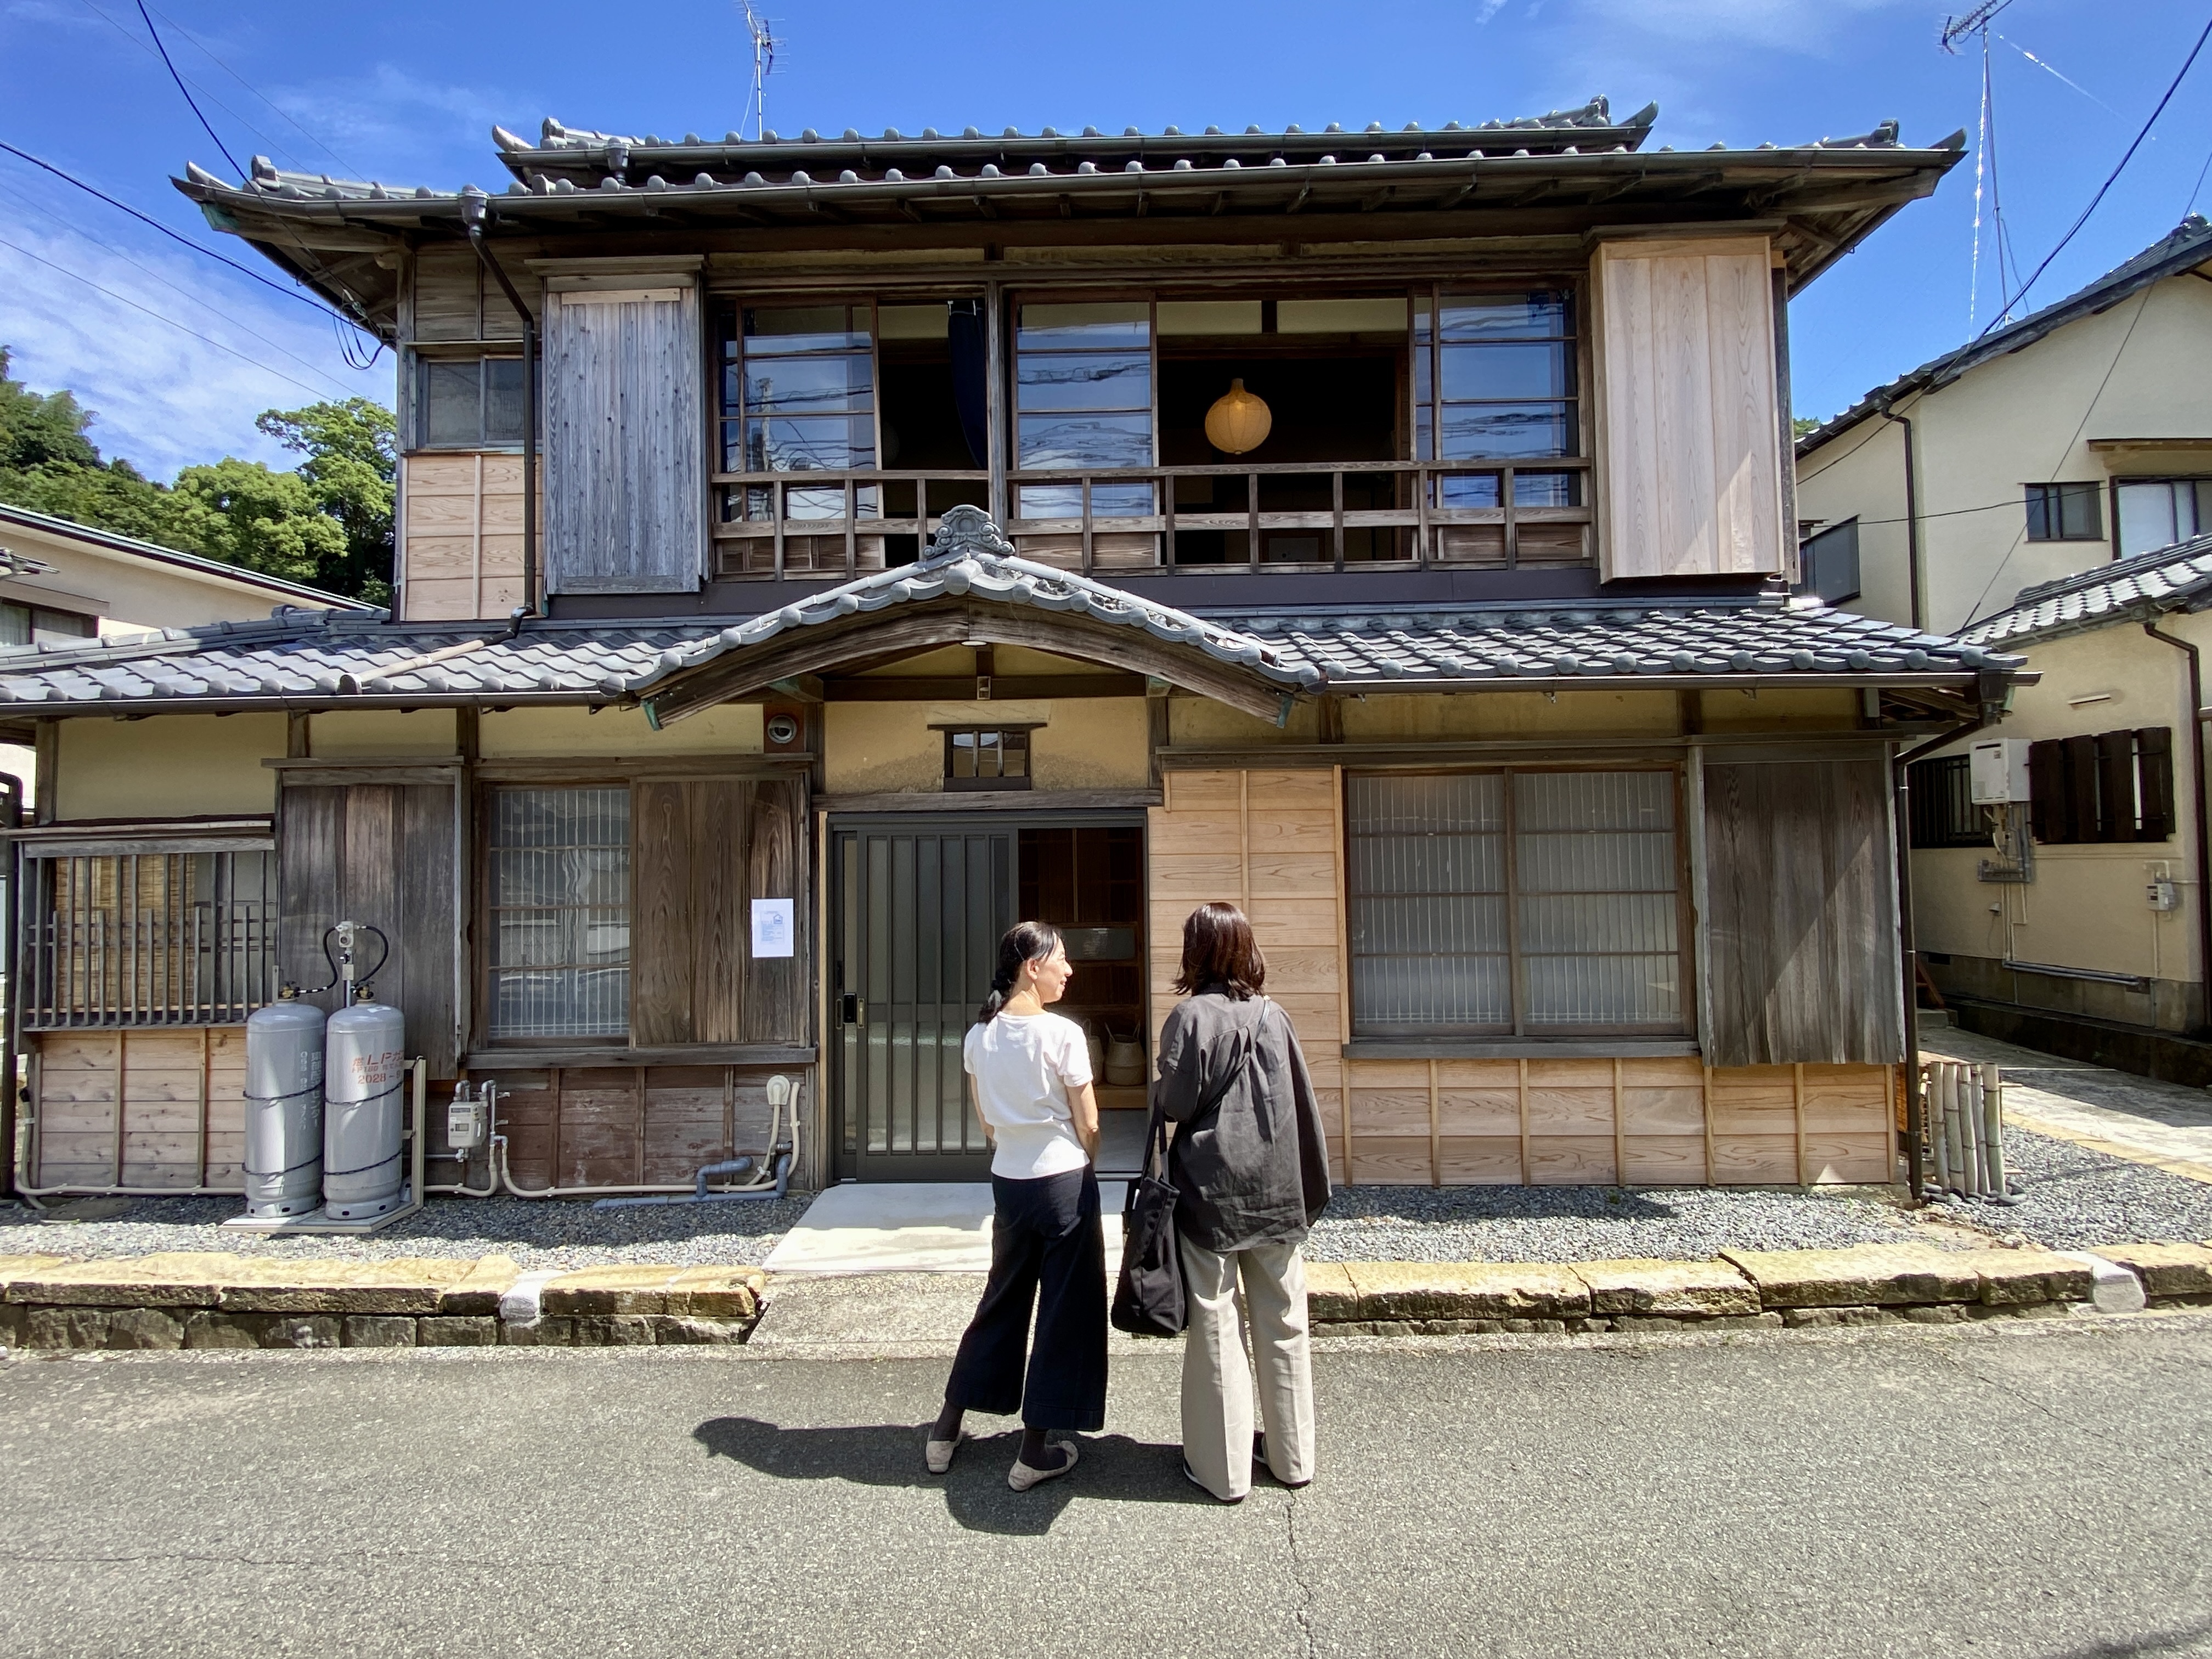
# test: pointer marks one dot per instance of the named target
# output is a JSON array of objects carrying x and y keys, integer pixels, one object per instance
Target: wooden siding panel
[
  {"x": 623, "y": 445},
  {"x": 1800, "y": 942},
  {"x": 460, "y": 535},
  {"x": 1688, "y": 421}
]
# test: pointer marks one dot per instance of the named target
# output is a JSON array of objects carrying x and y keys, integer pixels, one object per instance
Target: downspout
[
  {"x": 1911, "y": 517},
  {"x": 11, "y": 815},
  {"x": 1992, "y": 709},
  {"x": 2195, "y": 728},
  {"x": 476, "y": 211}
]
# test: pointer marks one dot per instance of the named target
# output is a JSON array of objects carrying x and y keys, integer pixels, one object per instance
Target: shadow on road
[{"x": 1113, "y": 1466}]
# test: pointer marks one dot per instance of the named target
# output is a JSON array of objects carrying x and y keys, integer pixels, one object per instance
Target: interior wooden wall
[
  {"x": 139, "y": 1108},
  {"x": 1688, "y": 417},
  {"x": 1272, "y": 841},
  {"x": 460, "y": 536}
]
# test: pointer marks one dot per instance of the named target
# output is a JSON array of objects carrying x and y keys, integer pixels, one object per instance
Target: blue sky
[{"x": 407, "y": 92}]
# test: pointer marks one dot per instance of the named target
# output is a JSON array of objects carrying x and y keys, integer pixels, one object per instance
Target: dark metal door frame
[{"x": 917, "y": 903}]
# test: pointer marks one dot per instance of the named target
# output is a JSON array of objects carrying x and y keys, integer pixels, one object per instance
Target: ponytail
[{"x": 1025, "y": 941}]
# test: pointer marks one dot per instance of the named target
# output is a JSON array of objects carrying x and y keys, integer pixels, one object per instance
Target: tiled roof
[
  {"x": 152, "y": 551},
  {"x": 316, "y": 657},
  {"x": 2176, "y": 578},
  {"x": 2186, "y": 247}
]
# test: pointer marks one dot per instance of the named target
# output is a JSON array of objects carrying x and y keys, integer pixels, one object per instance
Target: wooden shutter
[
  {"x": 2081, "y": 766},
  {"x": 2154, "y": 782},
  {"x": 625, "y": 508},
  {"x": 380, "y": 853},
  {"x": 701, "y": 852},
  {"x": 1689, "y": 424},
  {"x": 2048, "y": 804},
  {"x": 1799, "y": 942},
  {"x": 2116, "y": 786}
]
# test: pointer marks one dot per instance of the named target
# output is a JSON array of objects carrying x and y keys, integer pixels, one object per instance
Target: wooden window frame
[
  {"x": 985, "y": 785},
  {"x": 2107, "y": 787},
  {"x": 418, "y": 411},
  {"x": 485, "y": 969},
  {"x": 2054, "y": 494}
]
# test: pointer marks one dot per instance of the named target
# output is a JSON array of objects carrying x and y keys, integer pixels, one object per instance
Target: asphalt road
[{"x": 2030, "y": 1490}]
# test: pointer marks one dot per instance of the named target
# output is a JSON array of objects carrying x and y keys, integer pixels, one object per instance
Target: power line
[
  {"x": 138, "y": 43},
  {"x": 187, "y": 91},
  {"x": 207, "y": 52},
  {"x": 311, "y": 391},
  {"x": 145, "y": 219}
]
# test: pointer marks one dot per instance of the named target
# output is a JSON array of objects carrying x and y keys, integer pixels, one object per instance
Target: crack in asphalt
[{"x": 1303, "y": 1613}]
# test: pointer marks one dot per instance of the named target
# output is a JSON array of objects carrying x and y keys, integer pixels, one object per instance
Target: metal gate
[{"x": 918, "y": 912}]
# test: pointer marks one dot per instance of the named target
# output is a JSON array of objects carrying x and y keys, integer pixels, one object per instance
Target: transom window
[
  {"x": 987, "y": 758},
  {"x": 1503, "y": 903},
  {"x": 1494, "y": 379},
  {"x": 468, "y": 402},
  {"x": 560, "y": 912}
]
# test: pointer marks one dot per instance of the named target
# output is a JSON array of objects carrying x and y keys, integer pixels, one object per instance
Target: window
[
  {"x": 1829, "y": 564},
  {"x": 2116, "y": 786},
  {"x": 2065, "y": 513},
  {"x": 798, "y": 395},
  {"x": 1943, "y": 809},
  {"x": 1494, "y": 379},
  {"x": 987, "y": 758},
  {"x": 560, "y": 912},
  {"x": 147, "y": 938},
  {"x": 1531, "y": 903},
  {"x": 468, "y": 402},
  {"x": 35, "y": 625},
  {"x": 1083, "y": 398},
  {"x": 2155, "y": 513}
]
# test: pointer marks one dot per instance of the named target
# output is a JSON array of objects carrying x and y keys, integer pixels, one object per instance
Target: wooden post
[
  {"x": 201, "y": 1179},
  {"x": 1527, "y": 1179},
  {"x": 1705, "y": 1112},
  {"x": 1619, "y": 1131},
  {"x": 1436, "y": 1132},
  {"x": 1797, "y": 1103},
  {"x": 1244, "y": 839},
  {"x": 1343, "y": 968},
  {"x": 637, "y": 1082}
]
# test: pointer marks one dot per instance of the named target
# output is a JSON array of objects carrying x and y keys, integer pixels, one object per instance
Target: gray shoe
[{"x": 1023, "y": 1477}]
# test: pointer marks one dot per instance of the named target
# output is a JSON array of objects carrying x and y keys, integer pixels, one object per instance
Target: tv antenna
[
  {"x": 764, "y": 45},
  {"x": 1956, "y": 29}
]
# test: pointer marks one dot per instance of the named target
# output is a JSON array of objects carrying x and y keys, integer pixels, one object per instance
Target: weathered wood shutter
[
  {"x": 2154, "y": 782},
  {"x": 702, "y": 851},
  {"x": 1689, "y": 424},
  {"x": 381, "y": 854},
  {"x": 624, "y": 433},
  {"x": 1799, "y": 942}
]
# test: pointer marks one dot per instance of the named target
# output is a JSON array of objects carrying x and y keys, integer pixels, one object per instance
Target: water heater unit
[{"x": 1998, "y": 771}]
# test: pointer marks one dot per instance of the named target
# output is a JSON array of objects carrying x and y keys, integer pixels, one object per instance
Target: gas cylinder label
[
  {"x": 310, "y": 1067},
  {"x": 378, "y": 1072}
]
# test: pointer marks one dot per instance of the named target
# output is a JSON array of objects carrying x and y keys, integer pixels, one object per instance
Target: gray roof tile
[{"x": 2176, "y": 578}]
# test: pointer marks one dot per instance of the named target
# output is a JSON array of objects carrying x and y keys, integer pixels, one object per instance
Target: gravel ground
[
  {"x": 2074, "y": 1199},
  {"x": 547, "y": 1233}
]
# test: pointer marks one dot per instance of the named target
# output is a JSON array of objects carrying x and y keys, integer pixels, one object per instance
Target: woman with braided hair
[{"x": 1029, "y": 1072}]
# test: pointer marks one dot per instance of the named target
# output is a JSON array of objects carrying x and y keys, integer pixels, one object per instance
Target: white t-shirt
[{"x": 1025, "y": 1066}]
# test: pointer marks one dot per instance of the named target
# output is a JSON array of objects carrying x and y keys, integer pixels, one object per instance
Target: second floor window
[
  {"x": 799, "y": 396},
  {"x": 2065, "y": 513},
  {"x": 2155, "y": 513},
  {"x": 35, "y": 624},
  {"x": 1494, "y": 379},
  {"x": 468, "y": 402},
  {"x": 1083, "y": 399}
]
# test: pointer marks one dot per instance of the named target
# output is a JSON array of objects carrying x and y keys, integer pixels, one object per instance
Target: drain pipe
[
  {"x": 2195, "y": 729},
  {"x": 476, "y": 212},
  {"x": 1911, "y": 516}
]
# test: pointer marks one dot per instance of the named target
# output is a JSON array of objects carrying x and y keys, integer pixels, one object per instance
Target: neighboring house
[
  {"x": 62, "y": 582},
  {"x": 900, "y": 558},
  {"x": 2078, "y": 434},
  {"x": 2103, "y": 922}
]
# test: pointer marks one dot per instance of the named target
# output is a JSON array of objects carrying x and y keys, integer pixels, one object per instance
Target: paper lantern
[{"x": 1238, "y": 421}]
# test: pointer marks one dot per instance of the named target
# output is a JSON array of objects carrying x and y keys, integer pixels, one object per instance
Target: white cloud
[
  {"x": 400, "y": 126},
  {"x": 164, "y": 399}
]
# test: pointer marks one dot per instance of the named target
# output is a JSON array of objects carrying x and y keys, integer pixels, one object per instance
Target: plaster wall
[
  {"x": 881, "y": 748},
  {"x": 348, "y": 731},
  {"x": 2134, "y": 371},
  {"x": 167, "y": 766},
  {"x": 554, "y": 733}
]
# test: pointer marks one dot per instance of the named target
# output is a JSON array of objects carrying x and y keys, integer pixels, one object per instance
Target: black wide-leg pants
[{"x": 1047, "y": 1251}]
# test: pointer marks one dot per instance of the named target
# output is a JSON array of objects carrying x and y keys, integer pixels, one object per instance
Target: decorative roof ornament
[{"x": 965, "y": 532}]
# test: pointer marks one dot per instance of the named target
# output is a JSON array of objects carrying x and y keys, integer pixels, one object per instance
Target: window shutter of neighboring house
[
  {"x": 625, "y": 436},
  {"x": 2047, "y": 800},
  {"x": 1800, "y": 946},
  {"x": 381, "y": 854},
  {"x": 2116, "y": 786},
  {"x": 700, "y": 852},
  {"x": 2154, "y": 782},
  {"x": 2082, "y": 820}
]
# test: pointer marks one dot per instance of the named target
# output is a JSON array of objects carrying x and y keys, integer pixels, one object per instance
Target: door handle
[{"x": 853, "y": 1011}]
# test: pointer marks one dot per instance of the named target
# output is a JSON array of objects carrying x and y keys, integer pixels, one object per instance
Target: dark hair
[
  {"x": 1219, "y": 949},
  {"x": 1025, "y": 941}
]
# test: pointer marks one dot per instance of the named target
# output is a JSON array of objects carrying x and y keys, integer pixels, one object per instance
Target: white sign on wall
[{"x": 773, "y": 931}]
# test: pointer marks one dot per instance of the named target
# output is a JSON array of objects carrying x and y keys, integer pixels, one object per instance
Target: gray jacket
[{"x": 1252, "y": 1167}]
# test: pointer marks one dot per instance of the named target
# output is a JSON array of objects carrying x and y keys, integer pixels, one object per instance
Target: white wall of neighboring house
[{"x": 2085, "y": 403}]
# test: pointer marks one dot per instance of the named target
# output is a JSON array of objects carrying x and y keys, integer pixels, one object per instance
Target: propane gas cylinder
[
  {"x": 284, "y": 1108},
  {"x": 364, "y": 1076}
]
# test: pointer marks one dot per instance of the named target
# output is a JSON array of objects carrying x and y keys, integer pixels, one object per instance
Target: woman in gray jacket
[{"x": 1250, "y": 1168}]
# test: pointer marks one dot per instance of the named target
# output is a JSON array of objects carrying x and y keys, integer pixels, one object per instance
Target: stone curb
[{"x": 214, "y": 1299}]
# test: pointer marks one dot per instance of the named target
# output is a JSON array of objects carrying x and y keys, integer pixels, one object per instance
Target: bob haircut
[{"x": 1219, "y": 949}]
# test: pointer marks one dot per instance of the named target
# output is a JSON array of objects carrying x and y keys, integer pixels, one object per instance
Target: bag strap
[{"x": 1156, "y": 1134}]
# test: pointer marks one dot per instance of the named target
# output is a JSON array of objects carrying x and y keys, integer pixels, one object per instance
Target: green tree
[
  {"x": 352, "y": 460},
  {"x": 1801, "y": 424},
  {"x": 244, "y": 514}
]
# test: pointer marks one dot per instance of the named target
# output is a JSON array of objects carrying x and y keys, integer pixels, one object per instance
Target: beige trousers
[{"x": 1270, "y": 1302}]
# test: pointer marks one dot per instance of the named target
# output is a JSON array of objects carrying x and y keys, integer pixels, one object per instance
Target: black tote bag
[{"x": 1149, "y": 1300}]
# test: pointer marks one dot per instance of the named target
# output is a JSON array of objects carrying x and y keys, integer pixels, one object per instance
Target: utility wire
[
  {"x": 145, "y": 219},
  {"x": 205, "y": 52},
  {"x": 187, "y": 91},
  {"x": 138, "y": 43},
  {"x": 311, "y": 391}
]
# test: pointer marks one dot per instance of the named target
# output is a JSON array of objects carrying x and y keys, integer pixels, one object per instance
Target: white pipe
[{"x": 499, "y": 1147}]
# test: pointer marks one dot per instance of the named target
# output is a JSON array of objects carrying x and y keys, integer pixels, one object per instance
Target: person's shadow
[{"x": 1114, "y": 1467}]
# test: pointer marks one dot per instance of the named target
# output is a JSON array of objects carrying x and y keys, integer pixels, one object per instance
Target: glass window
[
  {"x": 470, "y": 403},
  {"x": 35, "y": 624},
  {"x": 2155, "y": 513},
  {"x": 560, "y": 912},
  {"x": 2065, "y": 513},
  {"x": 984, "y": 758},
  {"x": 1083, "y": 398},
  {"x": 1500, "y": 903},
  {"x": 798, "y": 395},
  {"x": 1494, "y": 374}
]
